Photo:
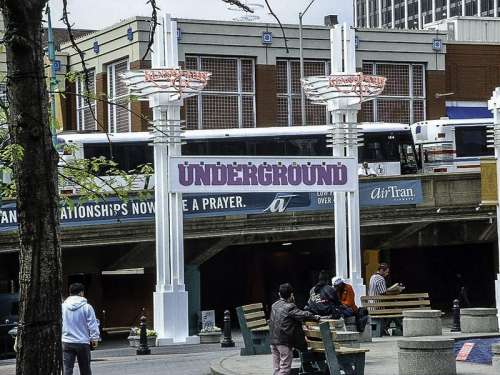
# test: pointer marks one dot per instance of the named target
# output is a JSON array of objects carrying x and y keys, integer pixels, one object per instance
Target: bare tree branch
[
  {"x": 281, "y": 26},
  {"x": 67, "y": 23},
  {"x": 240, "y": 5},
  {"x": 153, "y": 24}
]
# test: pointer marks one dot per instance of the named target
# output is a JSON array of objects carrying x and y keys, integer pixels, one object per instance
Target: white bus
[
  {"x": 451, "y": 145},
  {"x": 388, "y": 148}
]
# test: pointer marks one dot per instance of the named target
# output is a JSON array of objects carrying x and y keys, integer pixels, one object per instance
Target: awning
[{"x": 461, "y": 113}]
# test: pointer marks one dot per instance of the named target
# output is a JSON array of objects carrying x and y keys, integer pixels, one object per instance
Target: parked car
[{"x": 9, "y": 312}]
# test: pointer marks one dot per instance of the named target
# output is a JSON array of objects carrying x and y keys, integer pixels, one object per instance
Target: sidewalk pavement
[
  {"x": 382, "y": 359},
  {"x": 118, "y": 359}
]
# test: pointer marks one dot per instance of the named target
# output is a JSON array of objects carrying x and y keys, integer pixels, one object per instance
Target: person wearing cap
[{"x": 345, "y": 292}]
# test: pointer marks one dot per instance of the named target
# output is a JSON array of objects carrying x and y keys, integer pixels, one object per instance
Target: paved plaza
[{"x": 117, "y": 359}]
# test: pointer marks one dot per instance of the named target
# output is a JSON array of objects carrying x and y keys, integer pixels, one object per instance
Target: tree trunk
[{"x": 37, "y": 194}]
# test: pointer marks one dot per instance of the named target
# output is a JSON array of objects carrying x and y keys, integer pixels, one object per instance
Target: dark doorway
[
  {"x": 252, "y": 273},
  {"x": 443, "y": 271}
]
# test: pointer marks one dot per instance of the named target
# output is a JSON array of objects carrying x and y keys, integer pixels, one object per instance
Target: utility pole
[{"x": 301, "y": 57}]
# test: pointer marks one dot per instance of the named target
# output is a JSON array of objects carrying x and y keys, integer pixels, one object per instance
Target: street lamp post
[
  {"x": 301, "y": 57},
  {"x": 494, "y": 106}
]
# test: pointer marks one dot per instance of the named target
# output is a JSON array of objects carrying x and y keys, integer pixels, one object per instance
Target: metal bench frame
[
  {"x": 323, "y": 354},
  {"x": 254, "y": 329}
]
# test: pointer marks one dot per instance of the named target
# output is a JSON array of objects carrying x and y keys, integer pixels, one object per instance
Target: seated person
[
  {"x": 345, "y": 293},
  {"x": 323, "y": 299}
]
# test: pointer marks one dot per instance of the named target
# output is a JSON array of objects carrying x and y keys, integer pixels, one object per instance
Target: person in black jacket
[
  {"x": 285, "y": 330},
  {"x": 323, "y": 299}
]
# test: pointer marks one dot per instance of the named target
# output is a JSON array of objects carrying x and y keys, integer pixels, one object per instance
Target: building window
[
  {"x": 403, "y": 99},
  {"x": 228, "y": 100},
  {"x": 289, "y": 93},
  {"x": 85, "y": 102},
  {"x": 118, "y": 96}
]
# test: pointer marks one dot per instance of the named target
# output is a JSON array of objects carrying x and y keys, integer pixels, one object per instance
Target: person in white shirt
[
  {"x": 366, "y": 170},
  {"x": 80, "y": 331}
]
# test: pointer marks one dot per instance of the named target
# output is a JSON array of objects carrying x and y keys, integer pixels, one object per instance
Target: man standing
[
  {"x": 80, "y": 331},
  {"x": 285, "y": 330}
]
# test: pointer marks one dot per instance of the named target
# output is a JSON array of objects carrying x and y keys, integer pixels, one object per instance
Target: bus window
[
  {"x": 128, "y": 156},
  {"x": 471, "y": 141},
  {"x": 227, "y": 147},
  {"x": 270, "y": 147}
]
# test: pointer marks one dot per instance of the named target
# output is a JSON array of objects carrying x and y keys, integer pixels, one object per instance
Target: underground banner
[
  {"x": 213, "y": 174},
  {"x": 115, "y": 211}
]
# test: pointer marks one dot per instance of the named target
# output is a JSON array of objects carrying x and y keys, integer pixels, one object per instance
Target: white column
[
  {"x": 448, "y": 8},
  {"x": 463, "y": 8},
  {"x": 393, "y": 15},
  {"x": 420, "y": 14},
  {"x": 495, "y": 8},
  {"x": 479, "y": 8},
  {"x": 494, "y": 106},
  {"x": 355, "y": 264},
  {"x": 379, "y": 13},
  {"x": 433, "y": 10},
  {"x": 406, "y": 14},
  {"x": 355, "y": 12},
  {"x": 367, "y": 4},
  {"x": 337, "y": 53},
  {"x": 170, "y": 298}
]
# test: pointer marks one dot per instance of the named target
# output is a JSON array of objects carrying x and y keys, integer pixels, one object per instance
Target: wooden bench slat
[
  {"x": 396, "y": 297},
  {"x": 260, "y": 329},
  {"x": 254, "y": 315},
  {"x": 394, "y": 311},
  {"x": 397, "y": 304},
  {"x": 256, "y": 323},
  {"x": 316, "y": 334},
  {"x": 254, "y": 306},
  {"x": 346, "y": 350}
]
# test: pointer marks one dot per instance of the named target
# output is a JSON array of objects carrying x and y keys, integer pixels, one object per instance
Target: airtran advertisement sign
[{"x": 115, "y": 211}]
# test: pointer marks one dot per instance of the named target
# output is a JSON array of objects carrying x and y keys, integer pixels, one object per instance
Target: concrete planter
[
  {"x": 424, "y": 356},
  {"x": 422, "y": 323},
  {"x": 478, "y": 320},
  {"x": 134, "y": 341},
  {"x": 209, "y": 337},
  {"x": 495, "y": 348}
]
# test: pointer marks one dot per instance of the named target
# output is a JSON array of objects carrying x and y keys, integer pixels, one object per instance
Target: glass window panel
[
  {"x": 220, "y": 112},
  {"x": 224, "y": 74},
  {"x": 393, "y": 110}
]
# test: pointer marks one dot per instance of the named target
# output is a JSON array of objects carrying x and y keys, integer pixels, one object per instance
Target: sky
[{"x": 98, "y": 14}]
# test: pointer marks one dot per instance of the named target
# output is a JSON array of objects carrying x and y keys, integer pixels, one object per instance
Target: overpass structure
[{"x": 450, "y": 212}]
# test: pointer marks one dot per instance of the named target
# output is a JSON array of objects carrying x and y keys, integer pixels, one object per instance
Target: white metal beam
[
  {"x": 419, "y": 14},
  {"x": 393, "y": 15}
]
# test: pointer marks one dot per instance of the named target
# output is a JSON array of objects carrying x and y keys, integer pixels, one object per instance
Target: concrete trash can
[
  {"x": 426, "y": 356},
  {"x": 495, "y": 349},
  {"x": 422, "y": 323},
  {"x": 478, "y": 320}
]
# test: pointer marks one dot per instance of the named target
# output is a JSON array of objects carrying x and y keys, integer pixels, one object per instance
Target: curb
[{"x": 216, "y": 367}]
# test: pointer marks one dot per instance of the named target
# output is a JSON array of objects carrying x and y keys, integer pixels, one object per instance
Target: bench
[
  {"x": 324, "y": 352},
  {"x": 254, "y": 329},
  {"x": 389, "y": 308}
]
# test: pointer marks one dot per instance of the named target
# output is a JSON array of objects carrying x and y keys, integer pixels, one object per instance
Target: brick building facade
[{"x": 252, "y": 84}]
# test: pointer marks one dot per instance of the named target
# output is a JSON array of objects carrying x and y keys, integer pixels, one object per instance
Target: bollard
[
  {"x": 228, "y": 341},
  {"x": 143, "y": 348},
  {"x": 456, "y": 316}
]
